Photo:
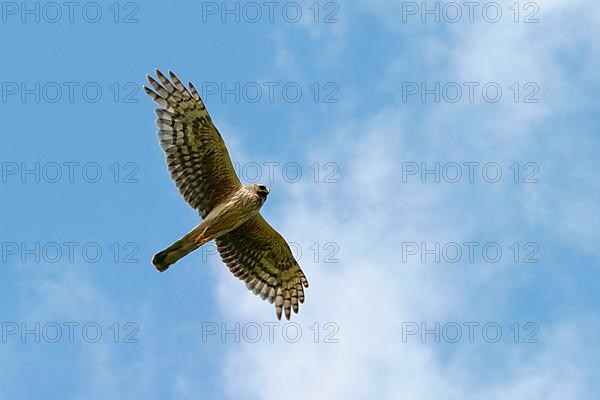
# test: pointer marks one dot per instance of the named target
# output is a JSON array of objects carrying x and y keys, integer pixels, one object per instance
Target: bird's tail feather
[{"x": 177, "y": 250}]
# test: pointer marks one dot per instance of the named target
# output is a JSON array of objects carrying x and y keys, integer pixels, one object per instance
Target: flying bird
[{"x": 199, "y": 163}]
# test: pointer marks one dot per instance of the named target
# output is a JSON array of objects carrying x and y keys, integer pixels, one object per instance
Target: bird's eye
[{"x": 262, "y": 187}]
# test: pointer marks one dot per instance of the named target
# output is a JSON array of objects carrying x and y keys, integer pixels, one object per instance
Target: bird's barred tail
[{"x": 164, "y": 259}]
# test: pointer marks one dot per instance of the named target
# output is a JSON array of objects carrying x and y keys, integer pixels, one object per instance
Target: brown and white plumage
[
  {"x": 257, "y": 254},
  {"x": 197, "y": 157},
  {"x": 200, "y": 165}
]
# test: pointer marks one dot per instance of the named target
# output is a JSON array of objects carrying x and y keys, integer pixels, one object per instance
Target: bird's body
[
  {"x": 199, "y": 164},
  {"x": 231, "y": 213},
  {"x": 222, "y": 219}
]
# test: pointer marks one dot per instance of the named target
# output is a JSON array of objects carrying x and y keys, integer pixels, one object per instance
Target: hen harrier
[{"x": 199, "y": 164}]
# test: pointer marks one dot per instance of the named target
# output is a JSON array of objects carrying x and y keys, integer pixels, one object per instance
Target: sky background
[{"x": 392, "y": 311}]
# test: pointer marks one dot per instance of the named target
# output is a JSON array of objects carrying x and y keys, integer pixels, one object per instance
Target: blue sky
[{"x": 82, "y": 173}]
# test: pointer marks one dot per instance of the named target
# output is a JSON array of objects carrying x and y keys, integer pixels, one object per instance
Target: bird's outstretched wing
[
  {"x": 196, "y": 154},
  {"x": 257, "y": 254}
]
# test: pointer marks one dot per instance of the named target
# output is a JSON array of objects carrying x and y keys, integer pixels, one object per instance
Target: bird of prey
[{"x": 199, "y": 163}]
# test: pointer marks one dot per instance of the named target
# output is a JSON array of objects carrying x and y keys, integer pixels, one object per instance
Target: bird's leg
[{"x": 202, "y": 238}]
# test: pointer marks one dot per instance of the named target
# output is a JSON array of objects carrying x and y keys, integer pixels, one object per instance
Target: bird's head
[{"x": 261, "y": 190}]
